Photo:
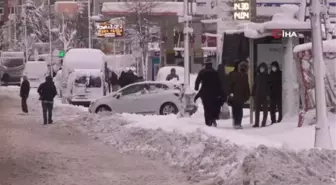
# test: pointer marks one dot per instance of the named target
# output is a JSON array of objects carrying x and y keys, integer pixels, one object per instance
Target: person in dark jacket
[
  {"x": 114, "y": 81},
  {"x": 239, "y": 92},
  {"x": 128, "y": 78},
  {"x": 210, "y": 93},
  {"x": 108, "y": 76},
  {"x": 172, "y": 75},
  {"x": 47, "y": 92},
  {"x": 260, "y": 93},
  {"x": 24, "y": 93},
  {"x": 275, "y": 81},
  {"x": 5, "y": 79},
  {"x": 122, "y": 79}
]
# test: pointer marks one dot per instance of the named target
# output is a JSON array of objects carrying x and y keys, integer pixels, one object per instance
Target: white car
[{"x": 148, "y": 97}]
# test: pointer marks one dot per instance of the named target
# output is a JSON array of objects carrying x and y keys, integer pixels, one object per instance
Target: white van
[
  {"x": 85, "y": 86},
  {"x": 80, "y": 59},
  {"x": 36, "y": 72}
]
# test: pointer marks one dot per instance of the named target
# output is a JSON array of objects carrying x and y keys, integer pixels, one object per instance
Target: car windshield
[
  {"x": 88, "y": 81},
  {"x": 12, "y": 62}
]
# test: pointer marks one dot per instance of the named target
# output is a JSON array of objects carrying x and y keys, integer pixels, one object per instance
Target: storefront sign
[
  {"x": 241, "y": 9},
  {"x": 107, "y": 29}
]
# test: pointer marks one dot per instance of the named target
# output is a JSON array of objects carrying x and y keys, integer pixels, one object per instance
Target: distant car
[{"x": 148, "y": 97}]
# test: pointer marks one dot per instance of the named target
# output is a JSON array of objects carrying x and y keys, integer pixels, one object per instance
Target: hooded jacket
[
  {"x": 24, "y": 89},
  {"x": 239, "y": 84},
  {"x": 47, "y": 90},
  {"x": 261, "y": 87},
  {"x": 275, "y": 80}
]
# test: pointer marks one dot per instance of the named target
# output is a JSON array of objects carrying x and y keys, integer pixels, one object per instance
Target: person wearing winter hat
[
  {"x": 275, "y": 81},
  {"x": 260, "y": 93}
]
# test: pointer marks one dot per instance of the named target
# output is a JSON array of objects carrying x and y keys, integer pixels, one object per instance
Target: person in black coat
[
  {"x": 275, "y": 81},
  {"x": 24, "y": 93},
  {"x": 128, "y": 78},
  {"x": 239, "y": 92},
  {"x": 5, "y": 78},
  {"x": 47, "y": 92},
  {"x": 210, "y": 93},
  {"x": 261, "y": 93},
  {"x": 114, "y": 81}
]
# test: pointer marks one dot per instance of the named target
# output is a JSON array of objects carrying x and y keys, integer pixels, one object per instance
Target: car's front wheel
[
  {"x": 168, "y": 108},
  {"x": 103, "y": 108}
]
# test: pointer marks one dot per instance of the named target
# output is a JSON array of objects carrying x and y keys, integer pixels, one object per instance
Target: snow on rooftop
[
  {"x": 84, "y": 58},
  {"x": 328, "y": 46},
  {"x": 283, "y": 20},
  {"x": 161, "y": 8}
]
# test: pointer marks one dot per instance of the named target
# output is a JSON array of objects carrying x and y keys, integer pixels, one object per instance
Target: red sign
[{"x": 70, "y": 7}]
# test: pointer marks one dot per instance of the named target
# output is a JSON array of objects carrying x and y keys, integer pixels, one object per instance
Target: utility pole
[
  {"x": 186, "y": 44},
  {"x": 50, "y": 44},
  {"x": 89, "y": 21},
  {"x": 322, "y": 132}
]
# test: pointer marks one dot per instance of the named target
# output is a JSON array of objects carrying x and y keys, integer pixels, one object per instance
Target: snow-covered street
[
  {"x": 63, "y": 154},
  {"x": 33, "y": 154}
]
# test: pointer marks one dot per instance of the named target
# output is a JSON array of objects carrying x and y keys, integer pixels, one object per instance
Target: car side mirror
[
  {"x": 117, "y": 96},
  {"x": 144, "y": 91}
]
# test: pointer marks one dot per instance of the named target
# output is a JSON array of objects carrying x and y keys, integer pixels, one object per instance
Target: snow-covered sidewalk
[
  {"x": 209, "y": 155},
  {"x": 58, "y": 154}
]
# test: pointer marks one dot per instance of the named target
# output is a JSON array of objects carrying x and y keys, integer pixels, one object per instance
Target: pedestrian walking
[
  {"x": 24, "y": 93},
  {"x": 275, "y": 81},
  {"x": 114, "y": 81},
  {"x": 260, "y": 93},
  {"x": 108, "y": 76},
  {"x": 172, "y": 75},
  {"x": 47, "y": 92},
  {"x": 239, "y": 92},
  {"x": 5, "y": 79},
  {"x": 210, "y": 93}
]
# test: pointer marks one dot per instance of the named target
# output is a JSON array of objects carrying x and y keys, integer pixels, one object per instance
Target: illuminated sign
[
  {"x": 241, "y": 9},
  {"x": 106, "y": 29}
]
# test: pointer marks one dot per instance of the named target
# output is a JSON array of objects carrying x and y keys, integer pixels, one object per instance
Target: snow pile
[
  {"x": 205, "y": 158},
  {"x": 202, "y": 153}
]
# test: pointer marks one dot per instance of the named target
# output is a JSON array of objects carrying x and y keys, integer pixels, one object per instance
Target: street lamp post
[{"x": 322, "y": 133}]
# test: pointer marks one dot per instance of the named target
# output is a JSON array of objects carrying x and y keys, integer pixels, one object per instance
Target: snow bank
[
  {"x": 206, "y": 158},
  {"x": 205, "y": 154}
]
